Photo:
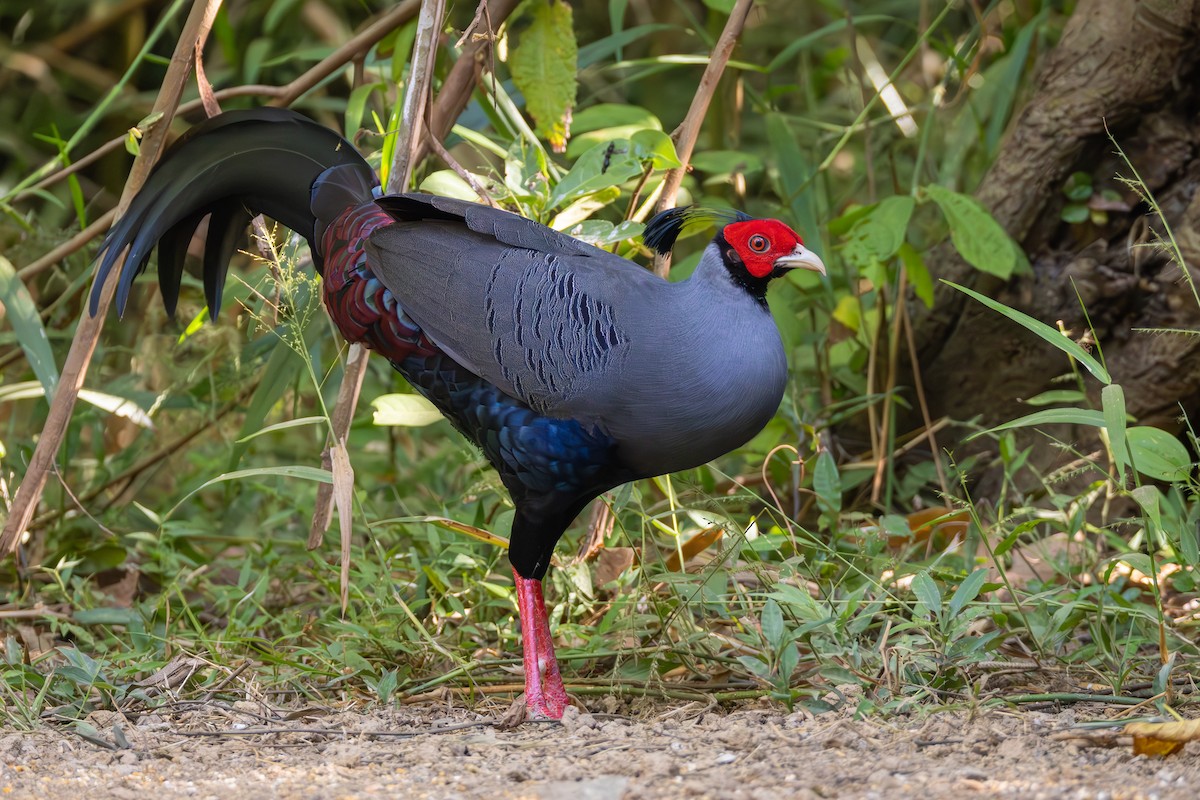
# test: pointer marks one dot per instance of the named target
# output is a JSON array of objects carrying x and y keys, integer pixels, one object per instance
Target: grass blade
[
  {"x": 31, "y": 334},
  {"x": 1044, "y": 331}
]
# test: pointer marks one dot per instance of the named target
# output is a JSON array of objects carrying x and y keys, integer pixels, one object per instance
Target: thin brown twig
[
  {"x": 444, "y": 154},
  {"x": 922, "y": 403},
  {"x": 686, "y": 134},
  {"x": 87, "y": 334}
]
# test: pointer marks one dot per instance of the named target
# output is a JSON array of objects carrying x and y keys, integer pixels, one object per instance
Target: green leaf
[
  {"x": 280, "y": 426},
  {"x": 827, "y": 483},
  {"x": 603, "y": 166},
  {"x": 918, "y": 273},
  {"x": 1149, "y": 498},
  {"x": 543, "y": 67},
  {"x": 1051, "y": 416},
  {"x": 1189, "y": 539},
  {"x": 771, "y": 620},
  {"x": 794, "y": 173},
  {"x": 604, "y": 122},
  {"x": 878, "y": 234},
  {"x": 721, "y": 165},
  {"x": 356, "y": 107},
  {"x": 602, "y": 232},
  {"x": 1074, "y": 213},
  {"x": 31, "y": 334},
  {"x": 927, "y": 592},
  {"x": 967, "y": 591},
  {"x": 1112, "y": 398},
  {"x": 975, "y": 233},
  {"x": 410, "y": 410},
  {"x": 448, "y": 183},
  {"x": 655, "y": 147},
  {"x": 286, "y": 471},
  {"x": 1158, "y": 454},
  {"x": 1053, "y": 396},
  {"x": 281, "y": 371},
  {"x": 1051, "y": 335}
]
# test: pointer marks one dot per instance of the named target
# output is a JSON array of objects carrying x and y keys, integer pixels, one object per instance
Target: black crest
[{"x": 664, "y": 228}]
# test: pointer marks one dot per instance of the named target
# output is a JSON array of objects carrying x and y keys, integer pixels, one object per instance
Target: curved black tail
[{"x": 231, "y": 167}]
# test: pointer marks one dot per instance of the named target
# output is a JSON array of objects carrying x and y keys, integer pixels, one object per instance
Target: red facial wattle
[{"x": 760, "y": 243}]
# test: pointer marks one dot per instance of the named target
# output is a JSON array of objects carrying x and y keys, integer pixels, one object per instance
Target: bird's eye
[{"x": 758, "y": 243}]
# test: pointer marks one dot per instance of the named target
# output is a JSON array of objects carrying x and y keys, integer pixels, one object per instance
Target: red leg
[{"x": 545, "y": 696}]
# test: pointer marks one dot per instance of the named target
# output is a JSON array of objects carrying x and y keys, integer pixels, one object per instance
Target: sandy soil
[{"x": 247, "y": 751}]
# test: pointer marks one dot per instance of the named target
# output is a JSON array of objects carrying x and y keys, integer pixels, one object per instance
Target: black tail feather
[{"x": 240, "y": 163}]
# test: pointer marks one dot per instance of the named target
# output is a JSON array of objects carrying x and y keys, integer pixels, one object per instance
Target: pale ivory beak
[{"x": 801, "y": 258}]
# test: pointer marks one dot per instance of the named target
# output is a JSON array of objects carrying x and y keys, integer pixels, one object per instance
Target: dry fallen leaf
[
  {"x": 612, "y": 563},
  {"x": 1162, "y": 739},
  {"x": 694, "y": 546}
]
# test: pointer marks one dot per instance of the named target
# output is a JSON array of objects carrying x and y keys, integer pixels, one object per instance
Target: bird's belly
[{"x": 697, "y": 424}]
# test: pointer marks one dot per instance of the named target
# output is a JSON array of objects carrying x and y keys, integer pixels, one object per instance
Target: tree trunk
[{"x": 1129, "y": 65}]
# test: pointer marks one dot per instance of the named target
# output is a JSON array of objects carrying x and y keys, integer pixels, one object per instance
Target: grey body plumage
[{"x": 676, "y": 373}]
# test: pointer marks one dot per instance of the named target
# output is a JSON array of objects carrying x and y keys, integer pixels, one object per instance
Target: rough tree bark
[{"x": 1131, "y": 64}]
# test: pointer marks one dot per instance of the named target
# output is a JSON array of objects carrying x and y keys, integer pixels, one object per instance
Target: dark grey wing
[{"x": 531, "y": 310}]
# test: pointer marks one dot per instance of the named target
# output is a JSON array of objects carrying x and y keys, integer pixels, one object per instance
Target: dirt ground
[{"x": 248, "y": 751}]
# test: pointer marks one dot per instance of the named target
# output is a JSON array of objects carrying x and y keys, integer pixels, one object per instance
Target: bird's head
[
  {"x": 754, "y": 251},
  {"x": 767, "y": 248}
]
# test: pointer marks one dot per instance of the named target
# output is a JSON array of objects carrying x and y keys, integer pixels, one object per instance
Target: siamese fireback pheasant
[{"x": 572, "y": 369}]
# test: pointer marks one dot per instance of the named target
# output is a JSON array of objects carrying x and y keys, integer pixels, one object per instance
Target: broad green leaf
[
  {"x": 574, "y": 214},
  {"x": 1051, "y": 416},
  {"x": 448, "y": 183},
  {"x": 409, "y": 410},
  {"x": 23, "y": 315},
  {"x": 772, "y": 623},
  {"x": 1158, "y": 454},
  {"x": 827, "y": 483},
  {"x": 1113, "y": 402},
  {"x": 927, "y": 592},
  {"x": 1051, "y": 335},
  {"x": 975, "y": 233},
  {"x": 602, "y": 232},
  {"x": 543, "y": 67},
  {"x": 1149, "y": 498},
  {"x": 603, "y": 166},
  {"x": 967, "y": 591},
  {"x": 878, "y": 234},
  {"x": 655, "y": 147},
  {"x": 604, "y": 122}
]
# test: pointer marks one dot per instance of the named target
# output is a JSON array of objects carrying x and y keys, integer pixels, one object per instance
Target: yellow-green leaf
[
  {"x": 544, "y": 66},
  {"x": 410, "y": 410}
]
